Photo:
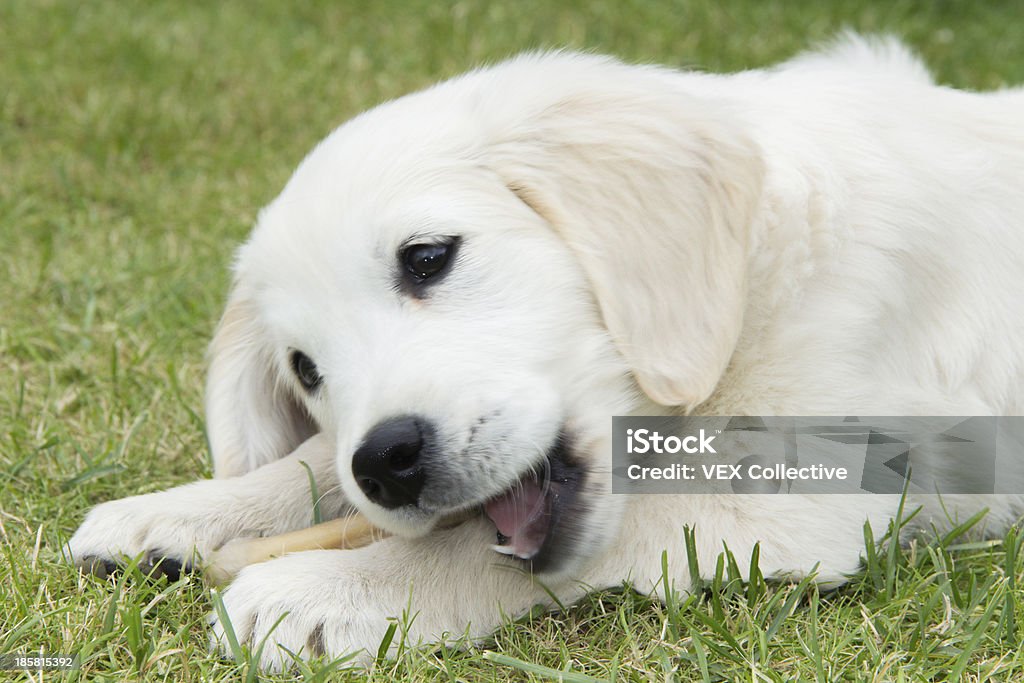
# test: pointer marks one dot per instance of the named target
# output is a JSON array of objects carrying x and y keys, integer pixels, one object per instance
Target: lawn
[{"x": 137, "y": 142}]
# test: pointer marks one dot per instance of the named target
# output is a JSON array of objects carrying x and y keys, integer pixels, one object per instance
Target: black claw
[
  {"x": 315, "y": 643},
  {"x": 98, "y": 566},
  {"x": 166, "y": 567}
]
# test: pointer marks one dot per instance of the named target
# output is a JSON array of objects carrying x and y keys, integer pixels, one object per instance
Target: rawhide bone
[{"x": 354, "y": 531}]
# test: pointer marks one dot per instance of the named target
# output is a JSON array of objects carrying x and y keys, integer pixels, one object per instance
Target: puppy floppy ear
[
  {"x": 251, "y": 417},
  {"x": 654, "y": 191}
]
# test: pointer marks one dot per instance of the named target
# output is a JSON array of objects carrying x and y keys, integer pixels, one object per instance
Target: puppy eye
[
  {"x": 305, "y": 369},
  {"x": 424, "y": 261}
]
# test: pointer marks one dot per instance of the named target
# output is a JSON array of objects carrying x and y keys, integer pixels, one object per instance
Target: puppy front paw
[
  {"x": 169, "y": 531},
  {"x": 302, "y": 605}
]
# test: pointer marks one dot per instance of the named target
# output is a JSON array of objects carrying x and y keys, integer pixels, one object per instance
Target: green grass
[{"x": 137, "y": 142}]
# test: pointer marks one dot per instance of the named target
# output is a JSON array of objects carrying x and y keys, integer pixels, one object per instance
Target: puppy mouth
[{"x": 538, "y": 516}]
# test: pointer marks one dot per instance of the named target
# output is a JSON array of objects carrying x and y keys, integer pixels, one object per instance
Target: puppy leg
[
  {"x": 798, "y": 535},
  {"x": 338, "y": 601},
  {"x": 173, "y": 528}
]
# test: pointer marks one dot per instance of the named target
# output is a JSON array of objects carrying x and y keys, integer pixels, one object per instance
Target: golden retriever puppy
[{"x": 456, "y": 291}]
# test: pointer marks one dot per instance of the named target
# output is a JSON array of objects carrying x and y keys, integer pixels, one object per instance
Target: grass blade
[
  {"x": 314, "y": 492},
  {"x": 539, "y": 669}
]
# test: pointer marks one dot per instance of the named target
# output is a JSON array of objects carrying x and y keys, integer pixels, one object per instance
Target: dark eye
[
  {"x": 305, "y": 369},
  {"x": 424, "y": 261}
]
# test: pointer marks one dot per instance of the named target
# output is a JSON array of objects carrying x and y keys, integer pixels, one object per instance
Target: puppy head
[{"x": 462, "y": 286}]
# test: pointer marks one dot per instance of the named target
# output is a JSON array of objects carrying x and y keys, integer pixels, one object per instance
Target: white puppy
[{"x": 459, "y": 288}]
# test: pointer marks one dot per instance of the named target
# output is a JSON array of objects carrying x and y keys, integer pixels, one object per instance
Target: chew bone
[{"x": 354, "y": 531}]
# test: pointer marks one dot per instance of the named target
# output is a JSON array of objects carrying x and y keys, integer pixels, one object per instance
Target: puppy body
[{"x": 834, "y": 236}]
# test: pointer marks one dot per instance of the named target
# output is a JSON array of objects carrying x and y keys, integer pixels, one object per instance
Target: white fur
[{"x": 834, "y": 236}]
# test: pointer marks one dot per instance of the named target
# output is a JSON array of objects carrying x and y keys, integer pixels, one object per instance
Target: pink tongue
[{"x": 521, "y": 515}]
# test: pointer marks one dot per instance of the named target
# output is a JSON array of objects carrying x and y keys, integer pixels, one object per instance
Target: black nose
[{"x": 387, "y": 466}]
